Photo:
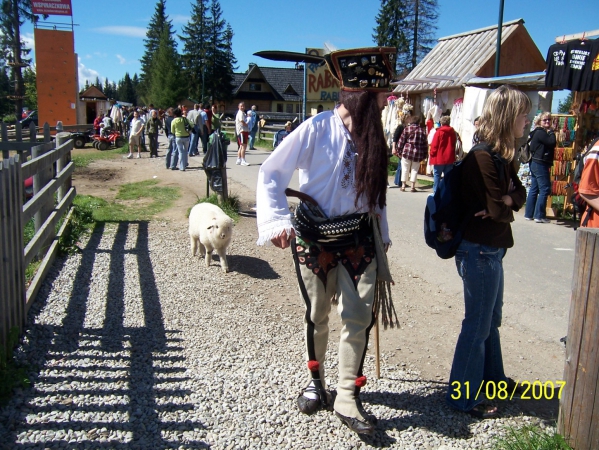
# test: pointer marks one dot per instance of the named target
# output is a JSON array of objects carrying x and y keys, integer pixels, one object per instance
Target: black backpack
[
  {"x": 445, "y": 219},
  {"x": 579, "y": 204}
]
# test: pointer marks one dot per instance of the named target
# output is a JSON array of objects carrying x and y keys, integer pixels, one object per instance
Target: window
[
  {"x": 289, "y": 108},
  {"x": 297, "y": 108},
  {"x": 279, "y": 107},
  {"x": 255, "y": 87}
]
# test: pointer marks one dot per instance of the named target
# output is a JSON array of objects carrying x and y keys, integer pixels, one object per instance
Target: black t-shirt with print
[
  {"x": 556, "y": 65},
  {"x": 578, "y": 65},
  {"x": 594, "y": 65}
]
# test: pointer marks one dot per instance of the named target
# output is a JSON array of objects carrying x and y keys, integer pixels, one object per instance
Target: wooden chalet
[{"x": 92, "y": 102}]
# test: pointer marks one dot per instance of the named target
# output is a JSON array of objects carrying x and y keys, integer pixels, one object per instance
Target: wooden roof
[
  {"x": 286, "y": 84},
  {"x": 92, "y": 93},
  {"x": 457, "y": 58}
]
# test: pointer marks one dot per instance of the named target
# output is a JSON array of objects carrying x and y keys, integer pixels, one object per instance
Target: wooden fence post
[
  {"x": 578, "y": 418},
  {"x": 62, "y": 138},
  {"x": 39, "y": 181}
]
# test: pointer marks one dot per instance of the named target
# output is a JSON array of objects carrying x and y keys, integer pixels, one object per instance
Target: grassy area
[
  {"x": 230, "y": 207},
  {"x": 263, "y": 144},
  {"x": 134, "y": 201},
  {"x": 531, "y": 437},
  {"x": 82, "y": 158},
  {"x": 392, "y": 166}
]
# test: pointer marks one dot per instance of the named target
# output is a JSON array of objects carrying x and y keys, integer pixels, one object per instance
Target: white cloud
[
  {"x": 122, "y": 31},
  {"x": 29, "y": 41},
  {"x": 85, "y": 73},
  {"x": 121, "y": 59},
  {"x": 180, "y": 18},
  {"x": 100, "y": 55}
]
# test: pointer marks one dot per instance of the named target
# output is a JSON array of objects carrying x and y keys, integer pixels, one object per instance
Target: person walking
[
  {"x": 172, "y": 154},
  {"x": 153, "y": 127},
  {"x": 396, "y": 135},
  {"x": 542, "y": 148},
  {"x": 442, "y": 154},
  {"x": 347, "y": 182},
  {"x": 181, "y": 127},
  {"x": 241, "y": 128},
  {"x": 137, "y": 127},
  {"x": 253, "y": 126},
  {"x": 413, "y": 148},
  {"x": 491, "y": 187},
  {"x": 197, "y": 122}
]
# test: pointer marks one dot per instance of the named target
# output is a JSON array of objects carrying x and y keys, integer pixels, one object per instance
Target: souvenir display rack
[{"x": 566, "y": 130}]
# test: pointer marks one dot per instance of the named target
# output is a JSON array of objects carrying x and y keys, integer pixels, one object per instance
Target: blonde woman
[
  {"x": 542, "y": 147},
  {"x": 491, "y": 187}
]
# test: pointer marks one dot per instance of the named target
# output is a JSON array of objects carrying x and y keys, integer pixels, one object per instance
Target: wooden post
[
  {"x": 578, "y": 418},
  {"x": 62, "y": 138},
  {"x": 377, "y": 350}
]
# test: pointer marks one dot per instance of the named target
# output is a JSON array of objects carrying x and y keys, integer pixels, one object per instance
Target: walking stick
[{"x": 377, "y": 350}]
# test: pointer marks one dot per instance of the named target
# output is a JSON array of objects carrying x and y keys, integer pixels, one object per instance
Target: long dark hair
[{"x": 367, "y": 134}]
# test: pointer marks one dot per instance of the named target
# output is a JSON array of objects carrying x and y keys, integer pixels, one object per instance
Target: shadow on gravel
[
  {"x": 105, "y": 385},
  {"x": 252, "y": 267}
]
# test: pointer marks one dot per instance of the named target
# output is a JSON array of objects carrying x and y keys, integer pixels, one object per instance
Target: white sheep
[{"x": 212, "y": 229}]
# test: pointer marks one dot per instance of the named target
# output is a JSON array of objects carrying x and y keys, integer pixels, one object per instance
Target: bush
[{"x": 9, "y": 118}]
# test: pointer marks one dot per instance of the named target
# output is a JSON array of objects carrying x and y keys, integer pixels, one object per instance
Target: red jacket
[{"x": 443, "y": 146}]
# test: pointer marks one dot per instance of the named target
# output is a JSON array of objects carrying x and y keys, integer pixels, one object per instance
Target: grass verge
[
  {"x": 230, "y": 207},
  {"x": 531, "y": 437}
]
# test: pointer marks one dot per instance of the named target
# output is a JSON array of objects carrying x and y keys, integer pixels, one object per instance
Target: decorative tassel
[
  {"x": 313, "y": 365},
  {"x": 383, "y": 301},
  {"x": 361, "y": 381}
]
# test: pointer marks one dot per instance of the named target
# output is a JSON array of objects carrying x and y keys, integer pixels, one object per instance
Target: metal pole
[
  {"x": 305, "y": 91},
  {"x": 499, "y": 28}
]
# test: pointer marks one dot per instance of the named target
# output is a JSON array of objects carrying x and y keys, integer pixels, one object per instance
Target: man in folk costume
[{"x": 337, "y": 243}]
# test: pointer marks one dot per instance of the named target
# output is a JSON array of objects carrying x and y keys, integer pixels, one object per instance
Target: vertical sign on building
[
  {"x": 322, "y": 88},
  {"x": 52, "y": 7}
]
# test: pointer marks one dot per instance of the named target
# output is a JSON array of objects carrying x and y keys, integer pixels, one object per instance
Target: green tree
[
  {"x": 391, "y": 29},
  {"x": 86, "y": 86},
  {"x": 195, "y": 36},
  {"x": 409, "y": 25},
  {"x": 422, "y": 16},
  {"x": 98, "y": 83},
  {"x": 220, "y": 59},
  {"x": 126, "y": 91},
  {"x": 30, "y": 82},
  {"x": 13, "y": 14},
  {"x": 6, "y": 106},
  {"x": 166, "y": 85},
  {"x": 564, "y": 106},
  {"x": 158, "y": 23}
]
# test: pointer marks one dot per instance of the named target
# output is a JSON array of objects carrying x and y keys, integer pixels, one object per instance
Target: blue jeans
[
  {"x": 540, "y": 188},
  {"x": 437, "y": 171},
  {"x": 182, "y": 144},
  {"x": 252, "y": 138},
  {"x": 172, "y": 154},
  {"x": 397, "y": 180},
  {"x": 195, "y": 137},
  {"x": 478, "y": 351}
]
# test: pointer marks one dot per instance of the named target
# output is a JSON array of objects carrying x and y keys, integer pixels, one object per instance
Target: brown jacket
[{"x": 482, "y": 187}]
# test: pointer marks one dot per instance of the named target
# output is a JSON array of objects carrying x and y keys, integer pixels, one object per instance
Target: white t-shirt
[
  {"x": 136, "y": 125},
  {"x": 241, "y": 122}
]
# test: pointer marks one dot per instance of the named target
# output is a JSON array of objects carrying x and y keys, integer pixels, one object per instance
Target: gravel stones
[{"x": 134, "y": 344}]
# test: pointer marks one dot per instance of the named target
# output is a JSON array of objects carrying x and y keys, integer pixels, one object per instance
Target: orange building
[{"x": 57, "y": 76}]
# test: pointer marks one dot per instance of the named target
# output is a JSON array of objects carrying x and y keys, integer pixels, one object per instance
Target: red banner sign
[{"x": 52, "y": 7}]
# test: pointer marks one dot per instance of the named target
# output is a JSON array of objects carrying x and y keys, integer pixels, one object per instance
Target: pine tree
[
  {"x": 158, "y": 23},
  {"x": 86, "y": 86},
  {"x": 391, "y": 29},
  {"x": 410, "y": 26},
  {"x": 98, "y": 83},
  {"x": 135, "y": 83},
  {"x": 422, "y": 16},
  {"x": 13, "y": 14},
  {"x": 195, "y": 36},
  {"x": 220, "y": 60},
  {"x": 30, "y": 83},
  {"x": 126, "y": 91},
  {"x": 6, "y": 106},
  {"x": 166, "y": 85},
  {"x": 564, "y": 107}
]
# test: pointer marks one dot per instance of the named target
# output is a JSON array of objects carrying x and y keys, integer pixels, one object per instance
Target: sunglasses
[{"x": 546, "y": 120}]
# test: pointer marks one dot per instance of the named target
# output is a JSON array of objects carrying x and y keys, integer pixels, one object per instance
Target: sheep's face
[{"x": 221, "y": 230}]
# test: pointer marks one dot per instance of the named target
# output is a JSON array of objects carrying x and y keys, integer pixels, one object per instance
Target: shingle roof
[
  {"x": 93, "y": 92},
  {"x": 460, "y": 56},
  {"x": 287, "y": 84}
]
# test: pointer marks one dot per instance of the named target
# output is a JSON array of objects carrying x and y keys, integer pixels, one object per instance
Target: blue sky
[{"x": 109, "y": 35}]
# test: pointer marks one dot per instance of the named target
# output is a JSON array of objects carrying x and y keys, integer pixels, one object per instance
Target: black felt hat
[{"x": 359, "y": 69}]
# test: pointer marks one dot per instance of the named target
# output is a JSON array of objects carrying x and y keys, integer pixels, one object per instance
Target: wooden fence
[
  {"x": 267, "y": 132},
  {"x": 578, "y": 418},
  {"x": 51, "y": 168}
]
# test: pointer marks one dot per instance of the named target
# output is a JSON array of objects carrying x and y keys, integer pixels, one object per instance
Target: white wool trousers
[{"x": 355, "y": 309}]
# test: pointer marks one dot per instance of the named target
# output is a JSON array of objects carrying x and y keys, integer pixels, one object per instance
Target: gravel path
[{"x": 135, "y": 345}]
